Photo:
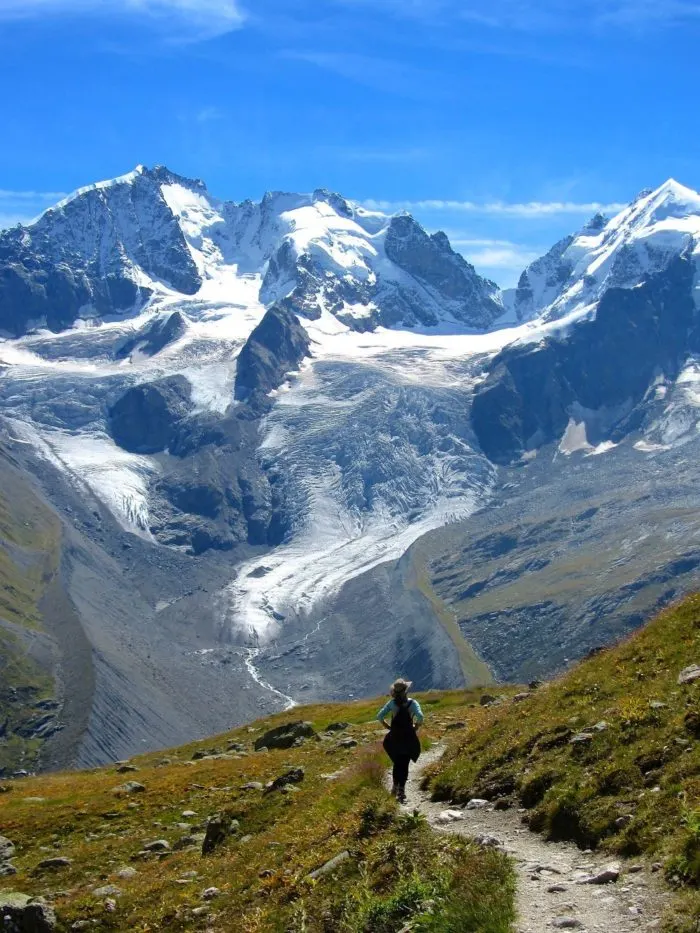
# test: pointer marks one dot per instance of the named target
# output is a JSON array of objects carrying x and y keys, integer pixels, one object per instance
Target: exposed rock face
[
  {"x": 432, "y": 260},
  {"x": 277, "y": 346},
  {"x": 80, "y": 257},
  {"x": 609, "y": 361},
  {"x": 146, "y": 418},
  {"x": 155, "y": 337}
]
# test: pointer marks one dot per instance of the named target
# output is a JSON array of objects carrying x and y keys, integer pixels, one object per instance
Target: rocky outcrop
[
  {"x": 285, "y": 736},
  {"x": 530, "y": 391},
  {"x": 157, "y": 336},
  {"x": 81, "y": 257},
  {"x": 145, "y": 420},
  {"x": 431, "y": 260},
  {"x": 276, "y": 347}
]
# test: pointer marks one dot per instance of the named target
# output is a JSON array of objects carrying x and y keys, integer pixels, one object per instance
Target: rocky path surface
[{"x": 550, "y": 893}]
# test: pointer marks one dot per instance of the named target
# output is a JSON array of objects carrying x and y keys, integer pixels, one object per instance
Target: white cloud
[
  {"x": 21, "y": 196},
  {"x": 500, "y": 208},
  {"x": 186, "y": 19}
]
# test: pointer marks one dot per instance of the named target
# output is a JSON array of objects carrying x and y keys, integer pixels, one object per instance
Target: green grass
[
  {"x": 398, "y": 869},
  {"x": 634, "y": 788}
]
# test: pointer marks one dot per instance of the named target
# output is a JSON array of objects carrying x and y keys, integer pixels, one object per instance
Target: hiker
[{"x": 401, "y": 742}]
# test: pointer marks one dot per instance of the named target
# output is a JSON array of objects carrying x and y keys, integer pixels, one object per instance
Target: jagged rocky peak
[{"x": 96, "y": 253}]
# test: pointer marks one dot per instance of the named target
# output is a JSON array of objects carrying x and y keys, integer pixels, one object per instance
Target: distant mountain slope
[{"x": 246, "y": 414}]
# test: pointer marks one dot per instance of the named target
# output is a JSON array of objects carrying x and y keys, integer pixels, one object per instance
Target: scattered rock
[
  {"x": 503, "y": 803},
  {"x": 158, "y": 845},
  {"x": 125, "y": 769},
  {"x": 557, "y": 889},
  {"x": 623, "y": 821},
  {"x": 284, "y": 736},
  {"x": 130, "y": 787},
  {"x": 337, "y": 726},
  {"x": 581, "y": 738},
  {"x": 455, "y": 725},
  {"x": 347, "y": 743},
  {"x": 477, "y": 804},
  {"x": 25, "y": 914},
  {"x": 608, "y": 875},
  {"x": 519, "y": 697},
  {"x": 252, "y": 785},
  {"x": 487, "y": 842},
  {"x": 567, "y": 923},
  {"x": 7, "y": 869},
  {"x": 329, "y": 866},
  {"x": 601, "y": 726},
  {"x": 127, "y": 873},
  {"x": 54, "y": 864},
  {"x": 689, "y": 674},
  {"x": 7, "y": 849},
  {"x": 487, "y": 699},
  {"x": 218, "y": 830},
  {"x": 449, "y": 816},
  {"x": 109, "y": 890},
  {"x": 292, "y": 776},
  {"x": 210, "y": 894}
]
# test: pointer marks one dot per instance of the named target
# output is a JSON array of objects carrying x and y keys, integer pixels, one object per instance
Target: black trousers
[{"x": 400, "y": 770}]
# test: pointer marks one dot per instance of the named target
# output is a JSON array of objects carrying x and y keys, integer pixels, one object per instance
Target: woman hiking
[{"x": 401, "y": 742}]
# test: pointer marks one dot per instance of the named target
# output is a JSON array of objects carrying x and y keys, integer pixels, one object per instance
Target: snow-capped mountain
[
  {"x": 111, "y": 248},
  {"x": 271, "y": 402}
]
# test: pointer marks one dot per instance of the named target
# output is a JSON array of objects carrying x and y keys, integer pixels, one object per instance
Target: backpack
[{"x": 401, "y": 739}]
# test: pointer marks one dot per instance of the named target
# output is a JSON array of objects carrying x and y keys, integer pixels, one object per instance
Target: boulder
[
  {"x": 218, "y": 830},
  {"x": 7, "y": 849},
  {"x": 54, "y": 864},
  {"x": 23, "y": 914},
  {"x": 337, "y": 726},
  {"x": 608, "y": 875},
  {"x": 292, "y": 776},
  {"x": 284, "y": 736},
  {"x": 689, "y": 674},
  {"x": 130, "y": 787}
]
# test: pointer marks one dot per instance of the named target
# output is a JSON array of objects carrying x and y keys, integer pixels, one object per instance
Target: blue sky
[{"x": 503, "y": 122}]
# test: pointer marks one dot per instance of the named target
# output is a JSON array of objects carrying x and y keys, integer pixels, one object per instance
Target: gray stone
[
  {"x": 54, "y": 864},
  {"x": 328, "y": 866},
  {"x": 608, "y": 875},
  {"x": 284, "y": 736},
  {"x": 477, "y": 804},
  {"x": 210, "y": 893},
  {"x": 291, "y": 776},
  {"x": 567, "y": 923},
  {"x": 130, "y": 787},
  {"x": 689, "y": 674},
  {"x": 108, "y": 890},
  {"x": 158, "y": 845},
  {"x": 7, "y": 848},
  {"x": 26, "y": 914}
]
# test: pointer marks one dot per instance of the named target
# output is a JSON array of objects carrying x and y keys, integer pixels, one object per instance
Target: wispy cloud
[
  {"x": 543, "y": 15},
  {"x": 502, "y": 208},
  {"x": 182, "y": 19},
  {"x": 21, "y": 207},
  {"x": 21, "y": 196},
  {"x": 382, "y": 74}
]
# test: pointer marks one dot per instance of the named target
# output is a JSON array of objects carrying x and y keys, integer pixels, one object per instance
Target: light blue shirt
[{"x": 392, "y": 707}]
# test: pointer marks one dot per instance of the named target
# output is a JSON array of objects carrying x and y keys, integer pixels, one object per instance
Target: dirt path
[{"x": 549, "y": 897}]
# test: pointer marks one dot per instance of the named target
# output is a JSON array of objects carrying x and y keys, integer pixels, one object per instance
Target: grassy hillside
[
  {"x": 29, "y": 557},
  {"x": 607, "y": 755},
  {"x": 396, "y": 868}
]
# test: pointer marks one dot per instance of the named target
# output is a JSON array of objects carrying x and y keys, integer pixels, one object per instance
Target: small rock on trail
[{"x": 550, "y": 893}]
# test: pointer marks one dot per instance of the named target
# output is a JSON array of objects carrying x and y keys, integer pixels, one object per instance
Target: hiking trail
[{"x": 548, "y": 896}]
